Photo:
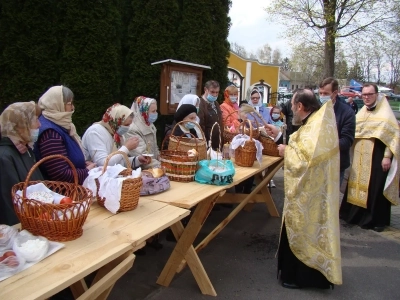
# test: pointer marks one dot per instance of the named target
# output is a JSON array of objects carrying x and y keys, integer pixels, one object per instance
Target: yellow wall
[{"x": 269, "y": 73}]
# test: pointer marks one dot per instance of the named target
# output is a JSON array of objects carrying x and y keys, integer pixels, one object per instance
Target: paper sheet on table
[{"x": 53, "y": 248}]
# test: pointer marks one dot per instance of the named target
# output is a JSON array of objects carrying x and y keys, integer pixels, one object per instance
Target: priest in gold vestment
[
  {"x": 309, "y": 249},
  {"x": 373, "y": 184}
]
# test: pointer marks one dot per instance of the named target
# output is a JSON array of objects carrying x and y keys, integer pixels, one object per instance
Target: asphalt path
[{"x": 241, "y": 263}]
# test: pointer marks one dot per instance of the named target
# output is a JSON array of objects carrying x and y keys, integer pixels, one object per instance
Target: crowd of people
[{"x": 323, "y": 135}]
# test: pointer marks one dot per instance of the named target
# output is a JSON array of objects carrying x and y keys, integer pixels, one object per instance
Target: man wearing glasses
[
  {"x": 345, "y": 120},
  {"x": 374, "y": 174}
]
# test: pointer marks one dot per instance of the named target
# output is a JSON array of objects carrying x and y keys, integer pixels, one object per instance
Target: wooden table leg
[
  {"x": 184, "y": 248},
  {"x": 260, "y": 187},
  {"x": 102, "y": 288}
]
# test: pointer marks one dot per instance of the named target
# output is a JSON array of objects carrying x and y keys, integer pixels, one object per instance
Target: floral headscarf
[
  {"x": 141, "y": 105},
  {"x": 16, "y": 121},
  {"x": 113, "y": 118}
]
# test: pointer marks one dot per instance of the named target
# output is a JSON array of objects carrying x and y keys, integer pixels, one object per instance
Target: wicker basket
[
  {"x": 246, "y": 155},
  {"x": 270, "y": 147},
  {"x": 227, "y": 134},
  {"x": 130, "y": 191},
  {"x": 178, "y": 165},
  {"x": 183, "y": 143},
  {"x": 57, "y": 222}
]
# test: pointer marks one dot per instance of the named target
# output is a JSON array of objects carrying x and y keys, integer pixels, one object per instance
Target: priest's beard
[{"x": 296, "y": 121}]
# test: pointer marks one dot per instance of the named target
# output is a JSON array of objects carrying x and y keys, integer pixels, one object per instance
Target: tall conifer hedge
[{"x": 103, "y": 50}]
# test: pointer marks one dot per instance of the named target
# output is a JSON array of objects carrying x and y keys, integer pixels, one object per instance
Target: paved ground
[{"x": 241, "y": 262}]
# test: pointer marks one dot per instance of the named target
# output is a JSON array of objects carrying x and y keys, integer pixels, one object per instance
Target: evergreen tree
[
  {"x": 221, "y": 23},
  {"x": 90, "y": 62},
  {"x": 152, "y": 37},
  {"x": 29, "y": 49},
  {"x": 203, "y": 33}
]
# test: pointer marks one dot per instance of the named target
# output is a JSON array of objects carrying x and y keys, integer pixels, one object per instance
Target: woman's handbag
[
  {"x": 154, "y": 181},
  {"x": 183, "y": 143}
]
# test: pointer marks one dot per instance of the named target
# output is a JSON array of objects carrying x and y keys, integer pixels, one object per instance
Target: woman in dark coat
[
  {"x": 186, "y": 112},
  {"x": 19, "y": 130}
]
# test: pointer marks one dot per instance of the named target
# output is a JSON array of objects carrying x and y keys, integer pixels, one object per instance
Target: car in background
[
  {"x": 347, "y": 91},
  {"x": 282, "y": 89},
  {"x": 391, "y": 96}
]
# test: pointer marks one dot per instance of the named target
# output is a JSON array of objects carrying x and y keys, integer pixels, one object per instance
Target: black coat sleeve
[
  {"x": 7, "y": 180},
  {"x": 347, "y": 130}
]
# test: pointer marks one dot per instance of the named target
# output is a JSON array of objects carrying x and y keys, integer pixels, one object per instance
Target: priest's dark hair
[
  {"x": 307, "y": 98},
  {"x": 370, "y": 84}
]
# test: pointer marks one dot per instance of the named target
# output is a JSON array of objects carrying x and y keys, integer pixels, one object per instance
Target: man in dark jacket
[
  {"x": 352, "y": 104},
  {"x": 345, "y": 120},
  {"x": 210, "y": 112}
]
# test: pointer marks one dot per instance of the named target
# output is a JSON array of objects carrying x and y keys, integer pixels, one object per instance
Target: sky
[{"x": 251, "y": 29}]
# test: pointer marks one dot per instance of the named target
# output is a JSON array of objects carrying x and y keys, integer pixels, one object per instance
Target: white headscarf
[
  {"x": 194, "y": 100},
  {"x": 260, "y": 101}
]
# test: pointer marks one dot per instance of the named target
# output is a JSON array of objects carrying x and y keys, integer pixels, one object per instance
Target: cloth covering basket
[
  {"x": 56, "y": 222},
  {"x": 183, "y": 143},
  {"x": 246, "y": 155},
  {"x": 130, "y": 191},
  {"x": 178, "y": 165}
]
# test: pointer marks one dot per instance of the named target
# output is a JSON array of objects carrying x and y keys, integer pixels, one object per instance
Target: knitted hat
[{"x": 183, "y": 111}]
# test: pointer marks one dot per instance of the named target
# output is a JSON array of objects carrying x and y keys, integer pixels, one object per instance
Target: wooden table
[
  {"x": 106, "y": 246},
  {"x": 188, "y": 195}
]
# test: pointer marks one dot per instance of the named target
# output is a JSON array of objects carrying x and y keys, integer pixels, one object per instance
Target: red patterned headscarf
[
  {"x": 141, "y": 105},
  {"x": 113, "y": 118}
]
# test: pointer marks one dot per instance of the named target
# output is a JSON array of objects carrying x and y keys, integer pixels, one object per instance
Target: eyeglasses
[
  {"x": 367, "y": 95},
  {"x": 255, "y": 98}
]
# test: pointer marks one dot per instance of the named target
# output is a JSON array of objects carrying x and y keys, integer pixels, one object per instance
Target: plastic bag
[
  {"x": 215, "y": 172},
  {"x": 31, "y": 248},
  {"x": 7, "y": 235},
  {"x": 10, "y": 263}
]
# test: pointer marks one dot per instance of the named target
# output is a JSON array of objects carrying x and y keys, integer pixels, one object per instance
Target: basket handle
[
  {"x": 173, "y": 129},
  {"x": 182, "y": 122},
  {"x": 258, "y": 116},
  {"x": 226, "y": 118},
  {"x": 179, "y": 140},
  {"x": 211, "y": 133},
  {"x": 35, "y": 166},
  {"x": 128, "y": 165},
  {"x": 251, "y": 128}
]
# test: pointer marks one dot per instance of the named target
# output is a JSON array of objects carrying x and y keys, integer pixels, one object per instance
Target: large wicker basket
[
  {"x": 183, "y": 143},
  {"x": 57, "y": 222},
  {"x": 130, "y": 191},
  {"x": 269, "y": 146},
  {"x": 246, "y": 155},
  {"x": 178, "y": 165}
]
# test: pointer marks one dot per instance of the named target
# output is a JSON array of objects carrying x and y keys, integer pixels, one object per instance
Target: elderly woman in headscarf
[
  {"x": 194, "y": 100},
  {"x": 256, "y": 101},
  {"x": 19, "y": 130},
  {"x": 144, "y": 115},
  {"x": 186, "y": 112},
  {"x": 230, "y": 108},
  {"x": 57, "y": 135},
  {"x": 106, "y": 137}
]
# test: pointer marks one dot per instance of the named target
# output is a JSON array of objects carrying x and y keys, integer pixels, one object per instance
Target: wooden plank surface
[
  {"x": 105, "y": 238},
  {"x": 189, "y": 194}
]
